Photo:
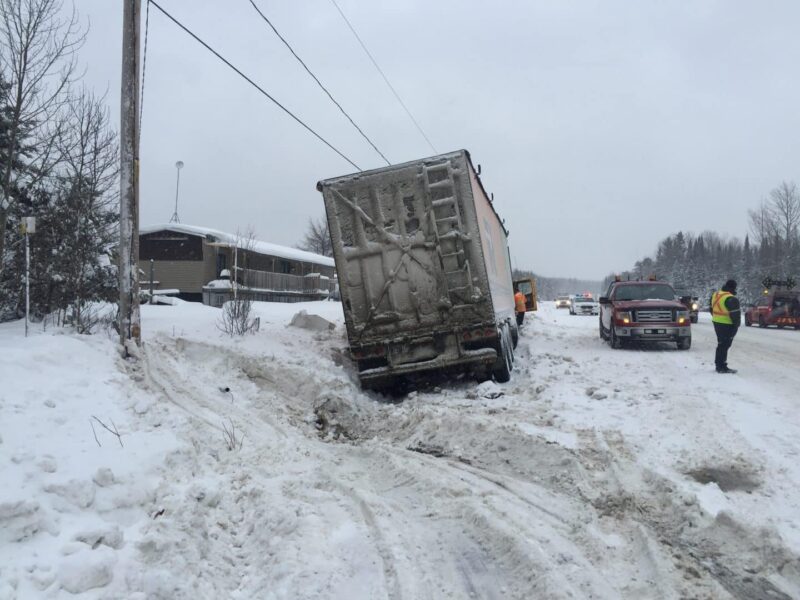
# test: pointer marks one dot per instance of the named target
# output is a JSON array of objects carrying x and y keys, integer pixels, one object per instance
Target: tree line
[
  {"x": 59, "y": 159},
  {"x": 702, "y": 263}
]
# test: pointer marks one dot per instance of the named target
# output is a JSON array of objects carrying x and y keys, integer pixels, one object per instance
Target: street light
[{"x": 178, "y": 166}]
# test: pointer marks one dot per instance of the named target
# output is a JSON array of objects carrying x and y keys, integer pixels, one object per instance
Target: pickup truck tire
[
  {"x": 684, "y": 343},
  {"x": 761, "y": 322},
  {"x": 614, "y": 340},
  {"x": 503, "y": 366},
  {"x": 602, "y": 330},
  {"x": 693, "y": 319},
  {"x": 747, "y": 321}
]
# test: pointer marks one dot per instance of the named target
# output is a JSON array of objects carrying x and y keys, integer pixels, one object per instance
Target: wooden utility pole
[{"x": 129, "y": 317}]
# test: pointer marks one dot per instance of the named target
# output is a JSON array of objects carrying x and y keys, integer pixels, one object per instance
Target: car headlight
[
  {"x": 682, "y": 316},
  {"x": 568, "y": 302},
  {"x": 625, "y": 316},
  {"x": 695, "y": 306}
]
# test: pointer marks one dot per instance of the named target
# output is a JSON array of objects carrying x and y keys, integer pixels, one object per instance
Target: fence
[{"x": 275, "y": 287}]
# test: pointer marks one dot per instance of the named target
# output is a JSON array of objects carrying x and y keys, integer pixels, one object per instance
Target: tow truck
[{"x": 779, "y": 306}]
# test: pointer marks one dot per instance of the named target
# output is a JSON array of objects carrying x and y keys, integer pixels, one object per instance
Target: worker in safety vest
[
  {"x": 726, "y": 316},
  {"x": 519, "y": 305}
]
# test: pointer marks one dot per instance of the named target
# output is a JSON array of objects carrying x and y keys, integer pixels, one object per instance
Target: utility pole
[{"x": 129, "y": 316}]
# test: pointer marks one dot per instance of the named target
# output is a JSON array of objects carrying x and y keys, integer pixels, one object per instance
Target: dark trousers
[
  {"x": 520, "y": 317},
  {"x": 725, "y": 334}
]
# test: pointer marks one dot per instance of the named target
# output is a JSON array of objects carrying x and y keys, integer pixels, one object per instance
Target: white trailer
[{"x": 424, "y": 271}]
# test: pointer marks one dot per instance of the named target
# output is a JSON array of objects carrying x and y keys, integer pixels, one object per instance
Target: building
[{"x": 192, "y": 259}]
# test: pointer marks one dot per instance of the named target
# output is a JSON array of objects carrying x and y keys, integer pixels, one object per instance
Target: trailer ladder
[{"x": 440, "y": 185}]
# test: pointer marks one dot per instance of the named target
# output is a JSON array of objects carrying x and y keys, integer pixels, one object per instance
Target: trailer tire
[{"x": 503, "y": 366}]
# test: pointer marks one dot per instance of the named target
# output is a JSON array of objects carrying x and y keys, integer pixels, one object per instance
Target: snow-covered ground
[{"x": 594, "y": 473}]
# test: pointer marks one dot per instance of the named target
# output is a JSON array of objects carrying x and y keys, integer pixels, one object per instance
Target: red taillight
[
  {"x": 490, "y": 333},
  {"x": 466, "y": 335},
  {"x": 378, "y": 350}
]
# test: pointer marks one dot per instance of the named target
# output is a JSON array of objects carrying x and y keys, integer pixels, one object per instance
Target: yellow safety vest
[{"x": 719, "y": 312}]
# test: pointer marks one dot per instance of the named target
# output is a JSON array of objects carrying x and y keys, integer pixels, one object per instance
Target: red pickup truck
[
  {"x": 644, "y": 311},
  {"x": 780, "y": 308}
]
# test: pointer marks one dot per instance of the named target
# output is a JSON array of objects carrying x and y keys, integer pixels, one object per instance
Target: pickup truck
[
  {"x": 424, "y": 272},
  {"x": 779, "y": 307},
  {"x": 643, "y": 311}
]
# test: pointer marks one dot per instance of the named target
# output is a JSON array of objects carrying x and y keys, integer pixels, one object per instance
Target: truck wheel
[
  {"x": 684, "y": 343},
  {"x": 602, "y": 331},
  {"x": 514, "y": 336},
  {"x": 502, "y": 368},
  {"x": 693, "y": 319},
  {"x": 614, "y": 339},
  {"x": 747, "y": 321},
  {"x": 761, "y": 322}
]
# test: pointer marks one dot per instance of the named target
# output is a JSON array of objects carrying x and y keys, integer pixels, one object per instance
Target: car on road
[
  {"x": 780, "y": 308},
  {"x": 644, "y": 311},
  {"x": 584, "y": 304},
  {"x": 563, "y": 302}
]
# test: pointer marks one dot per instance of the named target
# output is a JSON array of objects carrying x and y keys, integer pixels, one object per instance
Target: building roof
[{"x": 229, "y": 238}]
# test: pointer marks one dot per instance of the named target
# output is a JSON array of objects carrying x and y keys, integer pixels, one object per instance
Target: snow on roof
[{"x": 229, "y": 238}]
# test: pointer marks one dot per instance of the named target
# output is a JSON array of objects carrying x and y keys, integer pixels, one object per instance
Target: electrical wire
[
  {"x": 144, "y": 65},
  {"x": 386, "y": 79},
  {"x": 253, "y": 83},
  {"x": 319, "y": 83}
]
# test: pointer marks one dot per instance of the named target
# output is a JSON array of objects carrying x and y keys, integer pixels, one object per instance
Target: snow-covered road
[{"x": 594, "y": 473}]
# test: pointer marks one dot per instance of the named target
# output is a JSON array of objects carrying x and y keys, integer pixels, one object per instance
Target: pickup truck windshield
[{"x": 655, "y": 291}]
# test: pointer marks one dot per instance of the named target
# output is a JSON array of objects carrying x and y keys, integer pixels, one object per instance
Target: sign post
[{"x": 28, "y": 227}]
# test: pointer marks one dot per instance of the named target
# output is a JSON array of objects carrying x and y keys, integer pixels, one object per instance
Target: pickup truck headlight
[
  {"x": 695, "y": 306},
  {"x": 682, "y": 316},
  {"x": 625, "y": 316}
]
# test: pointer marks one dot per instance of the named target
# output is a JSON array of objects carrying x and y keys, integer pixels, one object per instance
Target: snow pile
[
  {"x": 255, "y": 467},
  {"x": 72, "y": 494}
]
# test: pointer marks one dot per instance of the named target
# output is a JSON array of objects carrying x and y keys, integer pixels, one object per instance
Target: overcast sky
[{"x": 600, "y": 126}]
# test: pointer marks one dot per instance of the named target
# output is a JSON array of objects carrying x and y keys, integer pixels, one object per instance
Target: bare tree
[
  {"x": 87, "y": 180},
  {"x": 762, "y": 223},
  {"x": 784, "y": 209},
  {"x": 237, "y": 316},
  {"x": 38, "y": 46},
  {"x": 317, "y": 238}
]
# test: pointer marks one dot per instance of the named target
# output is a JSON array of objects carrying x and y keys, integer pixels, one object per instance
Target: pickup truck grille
[{"x": 653, "y": 315}]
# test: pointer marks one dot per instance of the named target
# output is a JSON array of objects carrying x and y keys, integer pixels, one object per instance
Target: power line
[
  {"x": 254, "y": 84},
  {"x": 386, "y": 79},
  {"x": 144, "y": 65},
  {"x": 319, "y": 83}
]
